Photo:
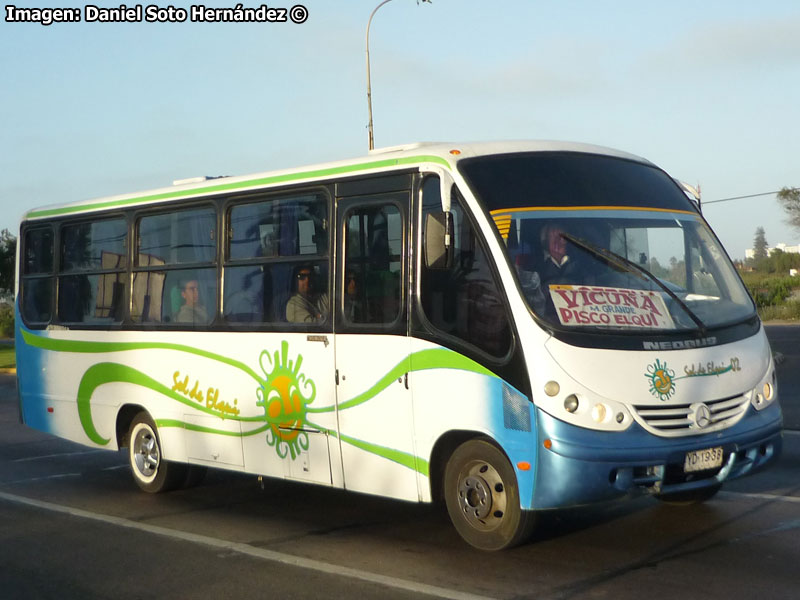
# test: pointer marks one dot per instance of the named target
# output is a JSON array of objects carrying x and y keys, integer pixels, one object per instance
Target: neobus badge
[{"x": 681, "y": 344}]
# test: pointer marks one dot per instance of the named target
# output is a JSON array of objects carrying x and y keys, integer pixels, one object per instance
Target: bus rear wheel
[
  {"x": 150, "y": 471},
  {"x": 482, "y": 497}
]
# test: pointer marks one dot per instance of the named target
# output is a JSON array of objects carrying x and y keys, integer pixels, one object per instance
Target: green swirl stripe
[
  {"x": 201, "y": 429},
  {"x": 216, "y": 188},
  {"x": 48, "y": 343},
  {"x": 405, "y": 459},
  {"x": 110, "y": 372},
  {"x": 434, "y": 358},
  {"x": 103, "y": 373},
  {"x": 415, "y": 463}
]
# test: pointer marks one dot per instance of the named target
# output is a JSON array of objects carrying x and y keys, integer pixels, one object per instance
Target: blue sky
[{"x": 707, "y": 90}]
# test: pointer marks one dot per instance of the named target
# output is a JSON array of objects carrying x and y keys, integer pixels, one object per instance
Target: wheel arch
[
  {"x": 444, "y": 448},
  {"x": 125, "y": 417}
]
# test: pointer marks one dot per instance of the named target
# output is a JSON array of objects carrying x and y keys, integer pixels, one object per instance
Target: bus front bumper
[{"x": 585, "y": 467}]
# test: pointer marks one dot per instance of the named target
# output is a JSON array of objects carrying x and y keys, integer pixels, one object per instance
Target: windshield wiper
[{"x": 630, "y": 266}]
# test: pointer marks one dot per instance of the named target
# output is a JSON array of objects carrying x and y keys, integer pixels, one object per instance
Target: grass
[
  {"x": 7, "y": 357},
  {"x": 788, "y": 311}
]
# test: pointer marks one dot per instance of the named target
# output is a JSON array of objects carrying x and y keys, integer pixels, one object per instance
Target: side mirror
[{"x": 438, "y": 249}]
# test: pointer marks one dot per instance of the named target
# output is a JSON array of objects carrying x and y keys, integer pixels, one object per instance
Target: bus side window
[
  {"x": 276, "y": 261},
  {"x": 92, "y": 275},
  {"x": 37, "y": 275},
  {"x": 373, "y": 264},
  {"x": 174, "y": 277},
  {"x": 464, "y": 300}
]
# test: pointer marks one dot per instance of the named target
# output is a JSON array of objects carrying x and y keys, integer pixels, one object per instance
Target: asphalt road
[
  {"x": 73, "y": 525},
  {"x": 785, "y": 341}
]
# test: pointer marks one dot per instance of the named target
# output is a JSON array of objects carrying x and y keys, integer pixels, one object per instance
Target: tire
[
  {"x": 150, "y": 471},
  {"x": 482, "y": 497},
  {"x": 690, "y": 497}
]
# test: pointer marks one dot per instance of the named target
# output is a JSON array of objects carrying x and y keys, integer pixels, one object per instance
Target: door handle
[{"x": 318, "y": 338}]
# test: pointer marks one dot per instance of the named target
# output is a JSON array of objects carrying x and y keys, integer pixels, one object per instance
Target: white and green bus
[{"x": 508, "y": 327}]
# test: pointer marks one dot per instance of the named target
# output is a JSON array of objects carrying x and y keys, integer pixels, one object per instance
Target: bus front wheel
[
  {"x": 150, "y": 471},
  {"x": 482, "y": 497}
]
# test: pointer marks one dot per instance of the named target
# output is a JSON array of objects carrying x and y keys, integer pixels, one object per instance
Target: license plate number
[{"x": 702, "y": 460}]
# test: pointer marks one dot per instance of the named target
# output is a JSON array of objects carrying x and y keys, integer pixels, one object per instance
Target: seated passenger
[
  {"x": 191, "y": 311},
  {"x": 353, "y": 308},
  {"x": 306, "y": 306}
]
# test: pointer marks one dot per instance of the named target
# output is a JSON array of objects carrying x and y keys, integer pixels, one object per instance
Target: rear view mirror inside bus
[{"x": 438, "y": 246}]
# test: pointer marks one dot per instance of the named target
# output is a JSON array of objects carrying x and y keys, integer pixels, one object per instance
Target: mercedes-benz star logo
[{"x": 701, "y": 415}]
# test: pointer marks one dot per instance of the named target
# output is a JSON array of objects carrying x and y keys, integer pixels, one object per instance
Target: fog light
[
  {"x": 759, "y": 399},
  {"x": 551, "y": 388},
  {"x": 768, "y": 391},
  {"x": 599, "y": 413},
  {"x": 620, "y": 417},
  {"x": 571, "y": 403}
]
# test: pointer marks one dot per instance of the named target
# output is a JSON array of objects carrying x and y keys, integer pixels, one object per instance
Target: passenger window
[
  {"x": 373, "y": 264},
  {"x": 180, "y": 237},
  {"x": 37, "y": 275},
  {"x": 93, "y": 246},
  {"x": 38, "y": 252},
  {"x": 91, "y": 284},
  {"x": 276, "y": 267},
  {"x": 166, "y": 289},
  {"x": 464, "y": 299},
  {"x": 293, "y": 226}
]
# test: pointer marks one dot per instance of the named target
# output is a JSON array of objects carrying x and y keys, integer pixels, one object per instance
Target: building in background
[{"x": 750, "y": 252}]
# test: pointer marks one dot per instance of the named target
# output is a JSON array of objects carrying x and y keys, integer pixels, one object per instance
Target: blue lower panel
[{"x": 584, "y": 466}]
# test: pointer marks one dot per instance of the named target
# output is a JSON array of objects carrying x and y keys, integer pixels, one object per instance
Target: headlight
[
  {"x": 766, "y": 392},
  {"x": 583, "y": 410}
]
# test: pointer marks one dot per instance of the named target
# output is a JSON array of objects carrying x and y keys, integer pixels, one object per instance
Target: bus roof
[{"x": 391, "y": 158}]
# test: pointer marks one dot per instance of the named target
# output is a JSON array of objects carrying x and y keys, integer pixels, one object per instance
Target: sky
[{"x": 709, "y": 91}]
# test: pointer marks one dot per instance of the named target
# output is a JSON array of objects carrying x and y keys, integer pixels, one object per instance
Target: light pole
[{"x": 369, "y": 82}]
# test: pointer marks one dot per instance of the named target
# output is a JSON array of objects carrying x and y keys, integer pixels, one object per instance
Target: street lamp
[{"x": 369, "y": 83}]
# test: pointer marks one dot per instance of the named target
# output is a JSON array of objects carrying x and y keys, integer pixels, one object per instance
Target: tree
[
  {"x": 8, "y": 258},
  {"x": 790, "y": 201},
  {"x": 759, "y": 246}
]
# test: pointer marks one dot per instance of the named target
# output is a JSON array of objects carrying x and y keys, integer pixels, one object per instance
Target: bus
[{"x": 508, "y": 328}]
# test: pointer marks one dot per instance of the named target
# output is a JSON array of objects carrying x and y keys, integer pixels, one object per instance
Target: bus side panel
[
  {"x": 453, "y": 393},
  {"x": 31, "y": 384},
  {"x": 235, "y": 401}
]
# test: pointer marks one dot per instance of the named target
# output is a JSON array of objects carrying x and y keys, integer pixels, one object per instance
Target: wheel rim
[
  {"x": 146, "y": 455},
  {"x": 482, "y": 496}
]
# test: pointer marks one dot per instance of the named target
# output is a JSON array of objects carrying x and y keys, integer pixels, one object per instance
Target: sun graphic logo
[
  {"x": 662, "y": 383},
  {"x": 285, "y": 396}
]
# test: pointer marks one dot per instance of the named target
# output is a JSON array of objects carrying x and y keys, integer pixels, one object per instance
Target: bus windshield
[{"x": 599, "y": 242}]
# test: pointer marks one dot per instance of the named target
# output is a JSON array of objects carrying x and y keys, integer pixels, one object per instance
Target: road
[{"x": 75, "y": 526}]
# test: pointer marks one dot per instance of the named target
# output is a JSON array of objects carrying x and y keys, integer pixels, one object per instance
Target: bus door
[{"x": 374, "y": 402}]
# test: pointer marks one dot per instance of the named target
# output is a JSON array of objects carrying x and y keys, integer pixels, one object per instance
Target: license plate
[{"x": 702, "y": 460}]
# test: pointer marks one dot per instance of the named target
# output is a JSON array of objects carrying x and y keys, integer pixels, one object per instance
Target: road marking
[
  {"x": 271, "y": 555},
  {"x": 47, "y": 478},
  {"x": 793, "y": 499},
  {"x": 46, "y": 456}
]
